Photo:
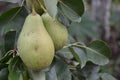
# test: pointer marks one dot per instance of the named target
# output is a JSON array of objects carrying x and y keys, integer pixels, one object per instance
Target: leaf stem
[
  {"x": 73, "y": 44},
  {"x": 40, "y": 4}
]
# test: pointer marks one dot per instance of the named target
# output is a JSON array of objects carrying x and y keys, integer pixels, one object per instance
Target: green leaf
[
  {"x": 95, "y": 55},
  {"x": 58, "y": 71},
  {"x": 2, "y": 65},
  {"x": 14, "y": 69},
  {"x": 6, "y": 57},
  {"x": 9, "y": 40},
  {"x": 97, "y": 58},
  {"x": 97, "y": 52},
  {"x": 4, "y": 74},
  {"x": 25, "y": 75},
  {"x": 51, "y": 74},
  {"x": 106, "y": 76},
  {"x": 51, "y": 6},
  {"x": 2, "y": 49},
  {"x": 90, "y": 72},
  {"x": 12, "y": 19},
  {"x": 65, "y": 53},
  {"x": 101, "y": 47},
  {"x": 72, "y": 9},
  {"x": 62, "y": 70},
  {"x": 79, "y": 55},
  {"x": 8, "y": 14},
  {"x": 37, "y": 75}
]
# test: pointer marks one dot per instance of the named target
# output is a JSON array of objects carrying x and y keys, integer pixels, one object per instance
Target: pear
[
  {"x": 37, "y": 6},
  {"x": 35, "y": 46},
  {"x": 56, "y": 30}
]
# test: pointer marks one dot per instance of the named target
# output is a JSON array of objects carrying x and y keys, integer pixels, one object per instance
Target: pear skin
[
  {"x": 35, "y": 46},
  {"x": 56, "y": 30}
]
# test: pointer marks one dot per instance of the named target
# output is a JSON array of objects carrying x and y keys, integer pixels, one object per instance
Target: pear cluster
[
  {"x": 56, "y": 30},
  {"x": 39, "y": 39}
]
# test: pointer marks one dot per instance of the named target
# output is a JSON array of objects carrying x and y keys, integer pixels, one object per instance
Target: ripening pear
[
  {"x": 35, "y": 46},
  {"x": 37, "y": 6},
  {"x": 56, "y": 30}
]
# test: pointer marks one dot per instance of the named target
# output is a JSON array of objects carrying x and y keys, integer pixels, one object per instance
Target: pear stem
[
  {"x": 33, "y": 7},
  {"x": 42, "y": 6}
]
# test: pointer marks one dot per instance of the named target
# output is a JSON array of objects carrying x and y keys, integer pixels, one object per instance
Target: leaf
[
  {"x": 14, "y": 70},
  {"x": 51, "y": 74},
  {"x": 72, "y": 9},
  {"x": 4, "y": 16},
  {"x": 59, "y": 71},
  {"x": 106, "y": 76},
  {"x": 2, "y": 65},
  {"x": 97, "y": 52},
  {"x": 79, "y": 55},
  {"x": 65, "y": 53},
  {"x": 12, "y": 19},
  {"x": 37, "y": 75},
  {"x": 9, "y": 40},
  {"x": 101, "y": 47},
  {"x": 62, "y": 70},
  {"x": 90, "y": 72},
  {"x": 4, "y": 74},
  {"x": 2, "y": 49},
  {"x": 51, "y": 6},
  {"x": 24, "y": 75},
  {"x": 95, "y": 55},
  {"x": 6, "y": 57},
  {"x": 12, "y": 1}
]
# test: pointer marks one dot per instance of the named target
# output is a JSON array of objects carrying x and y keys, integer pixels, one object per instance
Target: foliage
[{"x": 76, "y": 61}]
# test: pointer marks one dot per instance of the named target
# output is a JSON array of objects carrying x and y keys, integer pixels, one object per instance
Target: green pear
[
  {"x": 56, "y": 30},
  {"x": 37, "y": 6},
  {"x": 35, "y": 46}
]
